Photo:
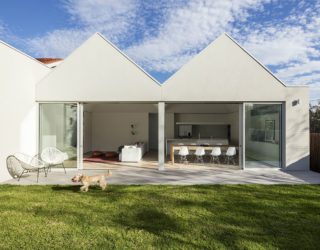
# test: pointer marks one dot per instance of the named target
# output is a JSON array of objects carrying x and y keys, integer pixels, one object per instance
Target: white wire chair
[
  {"x": 19, "y": 164},
  {"x": 54, "y": 157}
]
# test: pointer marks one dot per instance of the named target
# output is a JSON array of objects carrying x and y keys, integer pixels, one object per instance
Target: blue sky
[{"x": 163, "y": 35}]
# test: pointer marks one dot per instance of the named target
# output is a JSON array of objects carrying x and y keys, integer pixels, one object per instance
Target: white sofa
[{"x": 133, "y": 153}]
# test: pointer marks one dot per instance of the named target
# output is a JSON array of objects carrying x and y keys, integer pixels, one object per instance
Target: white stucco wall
[
  {"x": 223, "y": 72},
  {"x": 97, "y": 71},
  {"x": 297, "y": 129},
  {"x": 18, "y": 109}
]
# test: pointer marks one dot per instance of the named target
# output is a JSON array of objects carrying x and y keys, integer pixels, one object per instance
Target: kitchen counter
[{"x": 190, "y": 141}]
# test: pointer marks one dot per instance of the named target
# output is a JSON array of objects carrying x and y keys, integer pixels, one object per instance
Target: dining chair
[
  {"x": 199, "y": 153},
  {"x": 183, "y": 152},
  {"x": 230, "y": 155},
  {"x": 215, "y": 154}
]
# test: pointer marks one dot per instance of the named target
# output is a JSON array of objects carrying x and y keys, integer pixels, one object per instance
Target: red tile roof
[{"x": 49, "y": 60}]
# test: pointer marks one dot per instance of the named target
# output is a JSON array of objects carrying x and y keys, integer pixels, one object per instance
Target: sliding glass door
[
  {"x": 263, "y": 135},
  {"x": 58, "y": 128}
]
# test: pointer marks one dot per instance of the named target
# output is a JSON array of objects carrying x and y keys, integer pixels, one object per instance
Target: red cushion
[
  {"x": 97, "y": 153},
  {"x": 111, "y": 154}
]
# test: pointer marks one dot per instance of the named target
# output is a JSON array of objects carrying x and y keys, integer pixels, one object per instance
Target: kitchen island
[{"x": 196, "y": 142}]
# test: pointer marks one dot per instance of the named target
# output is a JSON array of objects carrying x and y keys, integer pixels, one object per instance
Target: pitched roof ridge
[
  {"x": 128, "y": 58},
  {"x": 200, "y": 52},
  {"x": 113, "y": 46},
  {"x": 23, "y": 53},
  {"x": 254, "y": 58}
]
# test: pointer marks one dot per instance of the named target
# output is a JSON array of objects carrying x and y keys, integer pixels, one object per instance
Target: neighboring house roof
[{"x": 49, "y": 60}]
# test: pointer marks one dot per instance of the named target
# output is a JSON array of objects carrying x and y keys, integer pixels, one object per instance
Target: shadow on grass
[
  {"x": 66, "y": 188},
  {"x": 150, "y": 220},
  {"x": 76, "y": 188}
]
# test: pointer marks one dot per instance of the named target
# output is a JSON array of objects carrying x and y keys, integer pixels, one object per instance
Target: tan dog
[{"x": 91, "y": 180}]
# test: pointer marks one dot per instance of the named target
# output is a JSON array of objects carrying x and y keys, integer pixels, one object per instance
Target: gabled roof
[
  {"x": 13, "y": 60},
  {"x": 8, "y": 47},
  {"x": 98, "y": 71},
  {"x": 223, "y": 71}
]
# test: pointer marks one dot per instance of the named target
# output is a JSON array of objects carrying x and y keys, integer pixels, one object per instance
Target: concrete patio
[{"x": 178, "y": 176}]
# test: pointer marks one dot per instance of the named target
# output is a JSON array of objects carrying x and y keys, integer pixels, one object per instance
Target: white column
[
  {"x": 80, "y": 136},
  {"x": 161, "y": 138},
  {"x": 242, "y": 138}
]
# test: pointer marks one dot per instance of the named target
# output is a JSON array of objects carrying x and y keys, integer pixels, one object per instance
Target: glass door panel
[
  {"x": 58, "y": 128},
  {"x": 262, "y": 135}
]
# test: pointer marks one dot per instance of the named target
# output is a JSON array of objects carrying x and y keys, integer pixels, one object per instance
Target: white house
[{"x": 99, "y": 99}]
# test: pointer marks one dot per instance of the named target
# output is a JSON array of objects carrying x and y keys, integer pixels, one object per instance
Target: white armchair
[
  {"x": 19, "y": 164},
  {"x": 54, "y": 157}
]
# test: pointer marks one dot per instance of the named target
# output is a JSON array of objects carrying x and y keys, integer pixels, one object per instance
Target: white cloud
[
  {"x": 276, "y": 46},
  {"x": 2, "y": 29},
  {"x": 163, "y": 35},
  {"x": 4, "y": 32},
  {"x": 188, "y": 28},
  {"x": 58, "y": 43},
  {"x": 299, "y": 69},
  {"x": 179, "y": 30},
  {"x": 112, "y": 18},
  {"x": 290, "y": 47}
]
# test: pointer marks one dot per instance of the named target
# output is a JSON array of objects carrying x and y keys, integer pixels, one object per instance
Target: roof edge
[
  {"x": 201, "y": 51},
  {"x": 128, "y": 58},
  {"x": 64, "y": 60},
  {"x": 24, "y": 54},
  {"x": 254, "y": 58}
]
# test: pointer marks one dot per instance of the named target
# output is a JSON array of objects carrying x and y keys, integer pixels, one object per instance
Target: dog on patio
[{"x": 88, "y": 181}]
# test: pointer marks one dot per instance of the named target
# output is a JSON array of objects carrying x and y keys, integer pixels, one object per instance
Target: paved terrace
[{"x": 179, "y": 176}]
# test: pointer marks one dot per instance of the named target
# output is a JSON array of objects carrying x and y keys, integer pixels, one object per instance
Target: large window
[
  {"x": 262, "y": 135},
  {"x": 58, "y": 128}
]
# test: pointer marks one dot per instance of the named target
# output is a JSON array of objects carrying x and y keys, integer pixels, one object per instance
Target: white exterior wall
[
  {"x": 223, "y": 72},
  {"x": 97, "y": 71},
  {"x": 18, "y": 109},
  {"x": 297, "y": 131}
]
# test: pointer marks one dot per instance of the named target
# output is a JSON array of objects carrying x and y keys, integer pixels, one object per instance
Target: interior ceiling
[{"x": 201, "y": 108}]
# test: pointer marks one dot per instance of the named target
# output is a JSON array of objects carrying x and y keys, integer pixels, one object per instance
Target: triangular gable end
[
  {"x": 223, "y": 72},
  {"x": 11, "y": 57},
  {"x": 95, "y": 72}
]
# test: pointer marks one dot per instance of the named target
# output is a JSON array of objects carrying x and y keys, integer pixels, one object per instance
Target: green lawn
[{"x": 146, "y": 217}]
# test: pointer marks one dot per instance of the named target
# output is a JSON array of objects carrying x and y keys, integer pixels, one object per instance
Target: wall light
[{"x": 295, "y": 102}]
